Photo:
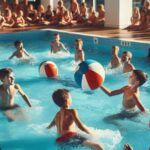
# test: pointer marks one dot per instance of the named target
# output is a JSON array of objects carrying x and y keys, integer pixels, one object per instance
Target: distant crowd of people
[
  {"x": 140, "y": 18},
  {"x": 24, "y": 14}
]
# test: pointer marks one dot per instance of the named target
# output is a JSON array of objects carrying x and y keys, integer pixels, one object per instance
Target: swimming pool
[{"x": 92, "y": 106}]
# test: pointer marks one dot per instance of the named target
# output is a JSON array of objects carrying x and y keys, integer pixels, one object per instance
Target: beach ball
[
  {"x": 48, "y": 69},
  {"x": 89, "y": 75}
]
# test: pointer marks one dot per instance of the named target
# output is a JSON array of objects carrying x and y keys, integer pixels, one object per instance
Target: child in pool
[
  {"x": 20, "y": 52},
  {"x": 131, "y": 96},
  {"x": 66, "y": 119},
  {"x": 79, "y": 54},
  {"x": 8, "y": 90},
  {"x": 115, "y": 60},
  {"x": 126, "y": 62},
  {"x": 56, "y": 45},
  {"x": 128, "y": 147}
]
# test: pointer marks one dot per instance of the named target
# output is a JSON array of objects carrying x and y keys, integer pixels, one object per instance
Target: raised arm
[
  {"x": 138, "y": 103},
  {"x": 24, "y": 96},
  {"x": 79, "y": 123},
  {"x": 112, "y": 93}
]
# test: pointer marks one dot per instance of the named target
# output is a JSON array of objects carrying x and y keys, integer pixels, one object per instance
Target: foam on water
[
  {"x": 110, "y": 71},
  {"x": 108, "y": 138},
  {"x": 17, "y": 61},
  {"x": 71, "y": 66},
  {"x": 60, "y": 54}
]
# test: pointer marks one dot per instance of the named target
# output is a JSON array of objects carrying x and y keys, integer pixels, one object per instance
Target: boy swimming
[
  {"x": 66, "y": 119},
  {"x": 20, "y": 52},
  {"x": 79, "y": 53},
  {"x": 131, "y": 96},
  {"x": 126, "y": 62},
  {"x": 8, "y": 90},
  {"x": 56, "y": 45}
]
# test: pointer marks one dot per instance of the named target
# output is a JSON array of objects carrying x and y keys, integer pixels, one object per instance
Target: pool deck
[{"x": 143, "y": 35}]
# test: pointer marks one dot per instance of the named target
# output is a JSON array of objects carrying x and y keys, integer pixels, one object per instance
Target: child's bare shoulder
[
  {"x": 126, "y": 87},
  {"x": 73, "y": 111},
  {"x": 17, "y": 86}
]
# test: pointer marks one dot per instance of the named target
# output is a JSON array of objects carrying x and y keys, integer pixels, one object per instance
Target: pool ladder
[
  {"x": 95, "y": 40},
  {"x": 125, "y": 43}
]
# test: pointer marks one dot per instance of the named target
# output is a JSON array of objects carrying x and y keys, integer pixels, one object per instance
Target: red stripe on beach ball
[
  {"x": 51, "y": 70},
  {"x": 94, "y": 80}
]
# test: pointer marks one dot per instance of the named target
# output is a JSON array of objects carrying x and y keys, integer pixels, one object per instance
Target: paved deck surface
[{"x": 101, "y": 31}]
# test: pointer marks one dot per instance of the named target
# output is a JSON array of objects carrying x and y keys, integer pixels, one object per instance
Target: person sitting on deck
[
  {"x": 92, "y": 20},
  {"x": 9, "y": 21},
  {"x": 67, "y": 19},
  {"x": 30, "y": 16},
  {"x": 48, "y": 14},
  {"x": 83, "y": 17},
  {"x": 19, "y": 19},
  {"x": 135, "y": 19},
  {"x": 142, "y": 24},
  {"x": 101, "y": 14},
  {"x": 74, "y": 9},
  {"x": 60, "y": 11},
  {"x": 2, "y": 21}
]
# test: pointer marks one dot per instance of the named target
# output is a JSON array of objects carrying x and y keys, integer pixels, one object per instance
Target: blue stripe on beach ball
[{"x": 78, "y": 77}]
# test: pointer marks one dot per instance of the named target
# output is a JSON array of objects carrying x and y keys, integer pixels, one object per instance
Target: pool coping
[{"x": 95, "y": 35}]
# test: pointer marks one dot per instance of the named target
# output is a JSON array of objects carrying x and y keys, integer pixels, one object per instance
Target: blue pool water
[{"x": 92, "y": 106}]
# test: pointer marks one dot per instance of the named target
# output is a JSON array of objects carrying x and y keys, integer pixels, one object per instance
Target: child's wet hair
[
  {"x": 79, "y": 41},
  {"x": 17, "y": 42},
  {"x": 60, "y": 96},
  {"x": 56, "y": 34},
  {"x": 128, "y": 53},
  {"x": 140, "y": 76},
  {"x": 5, "y": 72}
]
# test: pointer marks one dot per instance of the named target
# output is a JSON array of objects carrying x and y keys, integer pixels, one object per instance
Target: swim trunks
[
  {"x": 9, "y": 107},
  {"x": 129, "y": 113},
  {"x": 71, "y": 138}
]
